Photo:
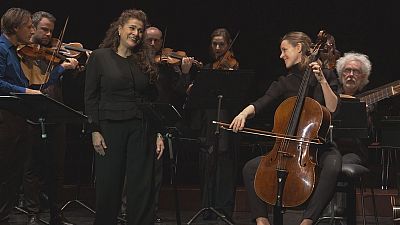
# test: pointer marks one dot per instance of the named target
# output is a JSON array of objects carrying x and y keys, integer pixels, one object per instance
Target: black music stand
[
  {"x": 219, "y": 89},
  {"x": 352, "y": 120},
  {"x": 164, "y": 116},
  {"x": 44, "y": 110},
  {"x": 17, "y": 106}
]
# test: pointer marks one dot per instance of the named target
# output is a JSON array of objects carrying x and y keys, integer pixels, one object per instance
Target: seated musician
[
  {"x": 323, "y": 84},
  {"x": 353, "y": 70}
]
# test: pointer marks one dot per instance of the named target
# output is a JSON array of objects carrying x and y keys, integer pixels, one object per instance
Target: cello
[{"x": 286, "y": 176}]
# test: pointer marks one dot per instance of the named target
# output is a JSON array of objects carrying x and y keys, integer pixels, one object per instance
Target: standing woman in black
[{"x": 120, "y": 75}]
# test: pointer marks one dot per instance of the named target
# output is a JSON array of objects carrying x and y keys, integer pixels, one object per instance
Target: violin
[
  {"x": 171, "y": 57},
  {"x": 69, "y": 50},
  {"x": 49, "y": 55},
  {"x": 226, "y": 62},
  {"x": 38, "y": 52}
]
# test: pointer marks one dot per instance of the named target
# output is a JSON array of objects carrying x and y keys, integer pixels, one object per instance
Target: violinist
[
  {"x": 173, "y": 78},
  {"x": 40, "y": 162},
  {"x": 221, "y": 53},
  {"x": 217, "y": 186},
  {"x": 16, "y": 27},
  {"x": 323, "y": 86}
]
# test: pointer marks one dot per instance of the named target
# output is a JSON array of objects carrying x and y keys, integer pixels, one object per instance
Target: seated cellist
[{"x": 322, "y": 87}]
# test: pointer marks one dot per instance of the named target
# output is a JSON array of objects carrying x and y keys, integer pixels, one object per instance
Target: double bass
[{"x": 286, "y": 175}]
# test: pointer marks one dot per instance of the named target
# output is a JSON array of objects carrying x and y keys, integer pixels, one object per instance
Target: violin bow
[
  {"x": 50, "y": 65},
  {"x": 163, "y": 41},
  {"x": 229, "y": 48}
]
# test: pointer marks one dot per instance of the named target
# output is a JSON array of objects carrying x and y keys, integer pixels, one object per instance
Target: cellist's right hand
[{"x": 239, "y": 121}]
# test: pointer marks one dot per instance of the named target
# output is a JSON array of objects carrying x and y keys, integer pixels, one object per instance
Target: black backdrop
[{"x": 366, "y": 26}]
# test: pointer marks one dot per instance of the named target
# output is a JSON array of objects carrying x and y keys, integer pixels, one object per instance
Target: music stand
[
  {"x": 219, "y": 89},
  {"x": 351, "y": 120},
  {"x": 165, "y": 116},
  {"x": 44, "y": 110}
]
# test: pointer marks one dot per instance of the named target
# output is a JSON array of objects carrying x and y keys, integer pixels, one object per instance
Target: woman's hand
[
  {"x": 317, "y": 70},
  {"x": 159, "y": 145},
  {"x": 238, "y": 122},
  {"x": 98, "y": 143}
]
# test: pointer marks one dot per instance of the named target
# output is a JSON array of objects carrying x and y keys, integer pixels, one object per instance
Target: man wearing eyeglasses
[{"x": 353, "y": 70}]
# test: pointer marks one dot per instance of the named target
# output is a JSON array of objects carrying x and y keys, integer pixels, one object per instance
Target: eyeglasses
[{"x": 348, "y": 71}]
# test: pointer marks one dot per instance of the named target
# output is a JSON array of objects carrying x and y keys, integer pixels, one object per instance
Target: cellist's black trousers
[{"x": 329, "y": 163}]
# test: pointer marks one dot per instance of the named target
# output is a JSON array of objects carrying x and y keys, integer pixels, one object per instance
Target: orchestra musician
[
  {"x": 43, "y": 159},
  {"x": 16, "y": 27},
  {"x": 294, "y": 48},
  {"x": 119, "y": 76},
  {"x": 354, "y": 70},
  {"x": 217, "y": 185}
]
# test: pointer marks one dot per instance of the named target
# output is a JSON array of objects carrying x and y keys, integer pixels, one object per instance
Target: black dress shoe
[{"x": 33, "y": 220}]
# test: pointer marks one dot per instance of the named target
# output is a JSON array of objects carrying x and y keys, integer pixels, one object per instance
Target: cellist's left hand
[{"x": 317, "y": 70}]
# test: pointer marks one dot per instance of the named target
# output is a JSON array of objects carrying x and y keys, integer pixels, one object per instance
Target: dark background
[{"x": 367, "y": 26}]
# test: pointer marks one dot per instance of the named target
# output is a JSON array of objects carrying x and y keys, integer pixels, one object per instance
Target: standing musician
[
  {"x": 16, "y": 27},
  {"x": 294, "y": 49},
  {"x": 218, "y": 184},
  {"x": 40, "y": 162}
]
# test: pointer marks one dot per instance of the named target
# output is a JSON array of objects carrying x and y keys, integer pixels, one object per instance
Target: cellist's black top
[{"x": 288, "y": 86}]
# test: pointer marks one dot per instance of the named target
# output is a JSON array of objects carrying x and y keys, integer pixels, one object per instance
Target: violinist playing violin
[
  {"x": 221, "y": 53},
  {"x": 218, "y": 185},
  {"x": 16, "y": 28},
  {"x": 323, "y": 85},
  {"x": 173, "y": 77},
  {"x": 40, "y": 161}
]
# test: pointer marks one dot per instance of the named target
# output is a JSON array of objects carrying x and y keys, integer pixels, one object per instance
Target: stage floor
[{"x": 81, "y": 216}]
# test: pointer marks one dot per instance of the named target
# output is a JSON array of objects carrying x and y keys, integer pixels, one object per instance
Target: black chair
[{"x": 350, "y": 178}]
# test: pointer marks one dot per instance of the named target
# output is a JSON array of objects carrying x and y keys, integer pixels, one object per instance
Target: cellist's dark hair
[
  {"x": 141, "y": 53},
  {"x": 304, "y": 40}
]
